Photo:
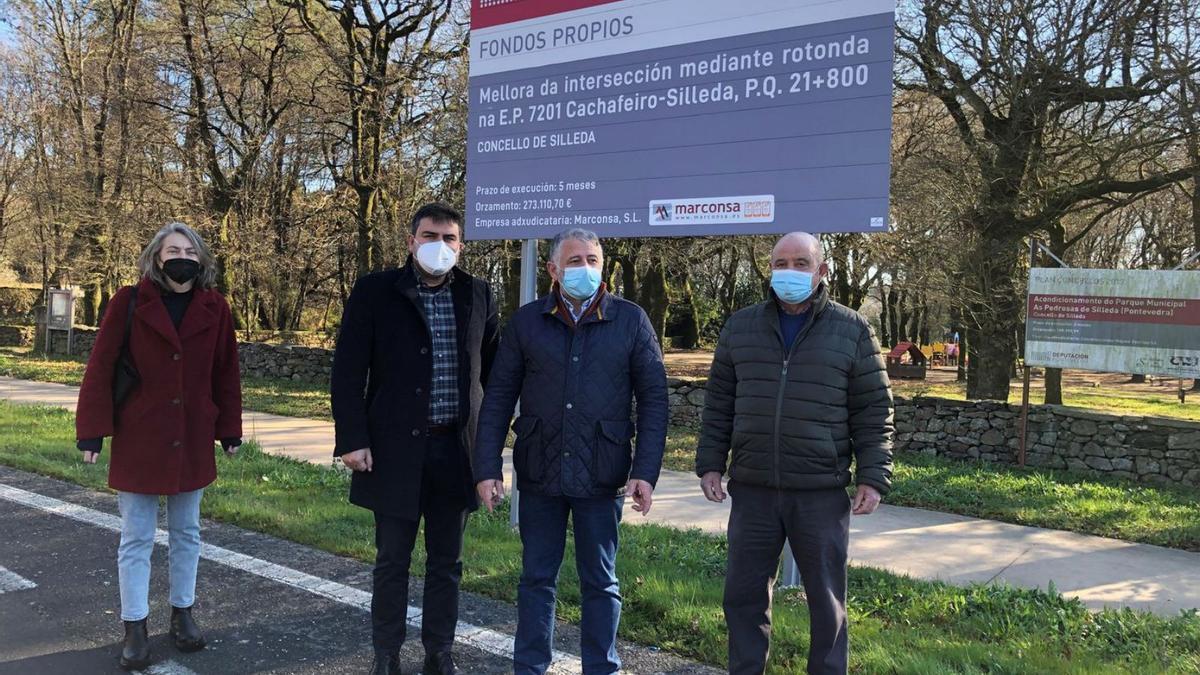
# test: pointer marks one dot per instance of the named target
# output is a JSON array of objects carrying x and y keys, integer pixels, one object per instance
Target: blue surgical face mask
[
  {"x": 581, "y": 283},
  {"x": 792, "y": 286}
]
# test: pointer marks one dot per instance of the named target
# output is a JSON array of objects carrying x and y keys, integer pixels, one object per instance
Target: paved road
[
  {"x": 924, "y": 544},
  {"x": 267, "y": 605}
]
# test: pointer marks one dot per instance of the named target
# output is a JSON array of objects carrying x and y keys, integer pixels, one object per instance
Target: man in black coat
[{"x": 412, "y": 358}]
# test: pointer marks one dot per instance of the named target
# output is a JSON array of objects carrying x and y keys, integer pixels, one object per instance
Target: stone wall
[
  {"x": 687, "y": 400},
  {"x": 291, "y": 362},
  {"x": 82, "y": 341},
  {"x": 16, "y": 336},
  {"x": 257, "y": 359},
  {"x": 1145, "y": 449}
]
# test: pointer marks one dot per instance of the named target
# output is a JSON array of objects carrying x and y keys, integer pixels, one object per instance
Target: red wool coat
[{"x": 189, "y": 396}]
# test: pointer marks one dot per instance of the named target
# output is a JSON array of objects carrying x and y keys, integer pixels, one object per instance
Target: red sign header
[
  {"x": 1175, "y": 312},
  {"x": 488, "y": 13}
]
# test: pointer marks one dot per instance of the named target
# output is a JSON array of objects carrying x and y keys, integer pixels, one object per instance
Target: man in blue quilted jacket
[{"x": 575, "y": 359}]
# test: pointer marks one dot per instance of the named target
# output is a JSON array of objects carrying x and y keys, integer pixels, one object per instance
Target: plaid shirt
[{"x": 443, "y": 390}]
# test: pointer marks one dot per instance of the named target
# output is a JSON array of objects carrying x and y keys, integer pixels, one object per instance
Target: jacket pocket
[
  {"x": 828, "y": 451},
  {"x": 613, "y": 454},
  {"x": 209, "y": 416},
  {"x": 528, "y": 458}
]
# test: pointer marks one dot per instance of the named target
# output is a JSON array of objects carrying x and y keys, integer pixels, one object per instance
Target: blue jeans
[
  {"x": 139, "y": 519},
  {"x": 543, "y": 539}
]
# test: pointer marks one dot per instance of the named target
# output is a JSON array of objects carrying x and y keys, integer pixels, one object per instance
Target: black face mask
[{"x": 181, "y": 270}]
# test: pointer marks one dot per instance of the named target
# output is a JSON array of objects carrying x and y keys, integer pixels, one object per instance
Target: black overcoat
[{"x": 382, "y": 368}]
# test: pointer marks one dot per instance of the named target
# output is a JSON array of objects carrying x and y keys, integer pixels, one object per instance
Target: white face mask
[{"x": 436, "y": 258}]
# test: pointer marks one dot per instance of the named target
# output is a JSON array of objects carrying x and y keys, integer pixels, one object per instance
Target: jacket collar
[
  {"x": 601, "y": 309},
  {"x": 817, "y": 304},
  {"x": 201, "y": 314},
  {"x": 460, "y": 290},
  {"x": 407, "y": 277}
]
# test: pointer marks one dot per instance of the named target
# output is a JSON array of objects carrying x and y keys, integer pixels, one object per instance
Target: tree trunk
[
  {"x": 654, "y": 297},
  {"x": 961, "y": 375},
  {"x": 91, "y": 304},
  {"x": 924, "y": 334},
  {"x": 1058, "y": 246},
  {"x": 364, "y": 219},
  {"x": 729, "y": 283},
  {"x": 1054, "y": 386},
  {"x": 512, "y": 286},
  {"x": 1196, "y": 232},
  {"x": 690, "y": 338},
  {"x": 841, "y": 276},
  {"x": 994, "y": 313},
  {"x": 917, "y": 320},
  {"x": 893, "y": 314},
  {"x": 629, "y": 280},
  {"x": 885, "y": 328},
  {"x": 544, "y": 281},
  {"x": 900, "y": 312}
]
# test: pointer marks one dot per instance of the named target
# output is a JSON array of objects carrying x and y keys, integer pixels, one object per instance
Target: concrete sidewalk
[{"x": 924, "y": 544}]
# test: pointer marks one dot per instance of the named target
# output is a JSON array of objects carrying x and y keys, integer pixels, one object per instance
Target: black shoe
[
  {"x": 386, "y": 663},
  {"x": 441, "y": 663},
  {"x": 135, "y": 651},
  {"x": 184, "y": 630}
]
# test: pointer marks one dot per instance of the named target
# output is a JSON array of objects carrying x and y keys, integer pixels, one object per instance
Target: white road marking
[
  {"x": 11, "y": 581},
  {"x": 483, "y": 639},
  {"x": 168, "y": 668}
]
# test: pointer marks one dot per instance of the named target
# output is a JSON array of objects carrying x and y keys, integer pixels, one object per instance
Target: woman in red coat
[{"x": 181, "y": 342}]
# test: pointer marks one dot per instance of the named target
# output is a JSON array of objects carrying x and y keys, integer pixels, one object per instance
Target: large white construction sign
[{"x": 1118, "y": 321}]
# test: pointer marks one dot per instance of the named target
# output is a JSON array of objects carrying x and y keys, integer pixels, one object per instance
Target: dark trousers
[
  {"x": 543, "y": 539},
  {"x": 817, "y": 525},
  {"x": 444, "y": 509}
]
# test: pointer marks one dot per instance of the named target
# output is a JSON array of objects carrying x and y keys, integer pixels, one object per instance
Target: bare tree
[
  {"x": 1011, "y": 75},
  {"x": 382, "y": 52},
  {"x": 88, "y": 48}
]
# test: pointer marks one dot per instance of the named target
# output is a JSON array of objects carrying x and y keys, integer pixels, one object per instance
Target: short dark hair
[{"x": 438, "y": 212}]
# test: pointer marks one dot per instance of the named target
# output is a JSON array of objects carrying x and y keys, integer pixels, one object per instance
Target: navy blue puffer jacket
[{"x": 576, "y": 385}]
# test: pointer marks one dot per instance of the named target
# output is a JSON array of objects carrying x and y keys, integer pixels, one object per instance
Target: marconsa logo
[
  {"x": 1185, "y": 361},
  {"x": 721, "y": 207},
  {"x": 713, "y": 210}
]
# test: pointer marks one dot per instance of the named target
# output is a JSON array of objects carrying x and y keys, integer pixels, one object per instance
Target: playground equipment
[{"x": 907, "y": 361}]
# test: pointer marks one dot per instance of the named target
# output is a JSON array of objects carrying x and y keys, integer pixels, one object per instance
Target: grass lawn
[
  {"x": 285, "y": 397},
  {"x": 672, "y": 579},
  {"x": 1164, "y": 404},
  {"x": 21, "y": 363},
  {"x": 1160, "y": 515},
  {"x": 1061, "y": 500},
  {"x": 680, "y": 454}
]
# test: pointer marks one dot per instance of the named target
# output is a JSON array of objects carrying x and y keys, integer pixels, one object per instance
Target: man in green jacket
[{"x": 798, "y": 392}]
